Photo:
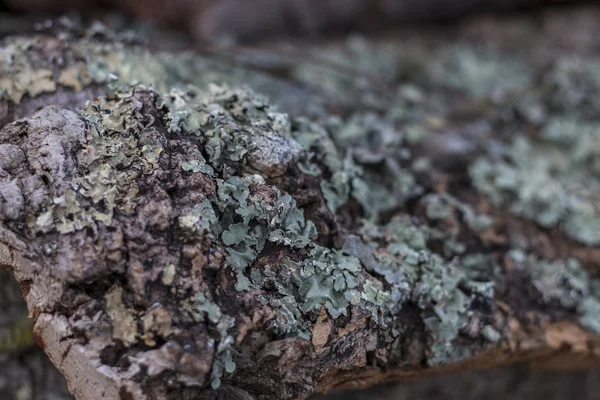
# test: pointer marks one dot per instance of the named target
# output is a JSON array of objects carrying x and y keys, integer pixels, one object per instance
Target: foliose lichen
[
  {"x": 237, "y": 128},
  {"x": 480, "y": 71},
  {"x": 111, "y": 157},
  {"x": 365, "y": 157},
  {"x": 563, "y": 283},
  {"x": 18, "y": 76},
  {"x": 551, "y": 180},
  {"x": 223, "y": 362},
  {"x": 443, "y": 290}
]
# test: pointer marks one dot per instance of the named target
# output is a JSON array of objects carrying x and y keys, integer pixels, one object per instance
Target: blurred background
[{"x": 243, "y": 21}]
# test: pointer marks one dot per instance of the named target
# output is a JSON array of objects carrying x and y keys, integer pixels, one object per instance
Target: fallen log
[{"x": 183, "y": 235}]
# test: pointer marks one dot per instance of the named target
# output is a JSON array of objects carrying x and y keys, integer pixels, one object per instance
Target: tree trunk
[{"x": 390, "y": 211}]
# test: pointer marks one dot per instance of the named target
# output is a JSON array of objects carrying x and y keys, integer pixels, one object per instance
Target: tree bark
[{"x": 183, "y": 236}]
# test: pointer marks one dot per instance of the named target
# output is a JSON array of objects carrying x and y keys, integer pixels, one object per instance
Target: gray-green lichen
[
  {"x": 246, "y": 222},
  {"x": 443, "y": 290},
  {"x": 552, "y": 180},
  {"x": 204, "y": 308},
  {"x": 235, "y": 126},
  {"x": 236, "y": 140},
  {"x": 479, "y": 71},
  {"x": 18, "y": 76},
  {"x": 78, "y": 59},
  {"x": 563, "y": 283},
  {"x": 365, "y": 157},
  {"x": 113, "y": 154},
  {"x": 328, "y": 277}
]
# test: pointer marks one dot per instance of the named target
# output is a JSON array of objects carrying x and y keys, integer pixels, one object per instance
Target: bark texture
[{"x": 185, "y": 236}]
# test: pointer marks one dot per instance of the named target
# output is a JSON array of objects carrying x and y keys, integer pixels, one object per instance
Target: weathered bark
[{"x": 172, "y": 239}]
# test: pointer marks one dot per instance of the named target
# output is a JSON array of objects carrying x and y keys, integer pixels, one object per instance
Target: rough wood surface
[{"x": 419, "y": 209}]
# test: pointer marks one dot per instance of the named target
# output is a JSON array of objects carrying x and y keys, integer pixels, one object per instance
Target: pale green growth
[
  {"x": 562, "y": 281},
  {"x": 202, "y": 219},
  {"x": 223, "y": 362},
  {"x": 480, "y": 72},
  {"x": 367, "y": 58},
  {"x": 374, "y": 298},
  {"x": 18, "y": 77},
  {"x": 441, "y": 206},
  {"x": 207, "y": 309},
  {"x": 437, "y": 208},
  {"x": 551, "y": 181},
  {"x": 338, "y": 189},
  {"x": 491, "y": 334},
  {"x": 64, "y": 214},
  {"x": 573, "y": 83},
  {"x": 198, "y": 165},
  {"x": 566, "y": 283},
  {"x": 28, "y": 67},
  {"x": 168, "y": 274},
  {"x": 289, "y": 322},
  {"x": 201, "y": 308},
  {"x": 237, "y": 127},
  {"x": 326, "y": 277},
  {"x": 112, "y": 156},
  {"x": 415, "y": 133},
  {"x": 443, "y": 290},
  {"x": 261, "y": 220},
  {"x": 589, "y": 310},
  {"x": 75, "y": 77},
  {"x": 364, "y": 156}
]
